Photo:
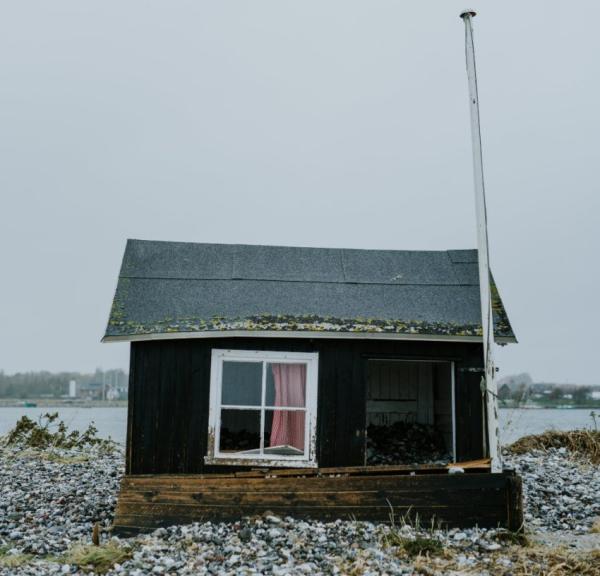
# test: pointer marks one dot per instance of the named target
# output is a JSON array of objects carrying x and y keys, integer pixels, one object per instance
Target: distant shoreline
[
  {"x": 60, "y": 403},
  {"x": 66, "y": 403},
  {"x": 552, "y": 407}
]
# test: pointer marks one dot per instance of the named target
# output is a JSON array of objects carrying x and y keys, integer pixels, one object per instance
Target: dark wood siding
[
  {"x": 170, "y": 390},
  {"x": 470, "y": 410}
]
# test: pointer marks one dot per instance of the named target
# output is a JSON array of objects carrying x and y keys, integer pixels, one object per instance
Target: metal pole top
[{"x": 468, "y": 13}]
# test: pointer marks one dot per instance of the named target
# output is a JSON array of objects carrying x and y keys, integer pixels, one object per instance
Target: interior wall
[{"x": 399, "y": 392}]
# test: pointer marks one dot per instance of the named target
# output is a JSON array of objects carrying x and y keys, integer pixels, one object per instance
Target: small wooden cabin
[{"x": 259, "y": 374}]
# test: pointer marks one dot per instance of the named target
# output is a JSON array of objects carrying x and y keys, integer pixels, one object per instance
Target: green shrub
[{"x": 49, "y": 432}]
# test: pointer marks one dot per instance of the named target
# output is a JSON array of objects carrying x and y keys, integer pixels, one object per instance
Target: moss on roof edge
[{"x": 118, "y": 326}]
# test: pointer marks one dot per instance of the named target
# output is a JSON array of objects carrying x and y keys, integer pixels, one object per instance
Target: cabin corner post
[
  {"x": 487, "y": 321},
  {"x": 130, "y": 409}
]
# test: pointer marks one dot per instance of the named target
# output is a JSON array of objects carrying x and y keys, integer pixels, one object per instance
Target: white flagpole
[{"x": 487, "y": 320}]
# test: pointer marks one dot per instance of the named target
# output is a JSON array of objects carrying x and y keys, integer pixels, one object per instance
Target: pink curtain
[{"x": 290, "y": 390}]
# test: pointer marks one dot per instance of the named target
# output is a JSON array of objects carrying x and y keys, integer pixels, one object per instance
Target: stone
[{"x": 46, "y": 507}]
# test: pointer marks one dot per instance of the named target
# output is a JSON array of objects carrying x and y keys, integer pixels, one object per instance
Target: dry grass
[
  {"x": 544, "y": 561},
  {"x": 596, "y": 527},
  {"x": 14, "y": 560},
  {"x": 48, "y": 455},
  {"x": 53, "y": 457},
  {"x": 97, "y": 558},
  {"x": 582, "y": 442},
  {"x": 524, "y": 561}
]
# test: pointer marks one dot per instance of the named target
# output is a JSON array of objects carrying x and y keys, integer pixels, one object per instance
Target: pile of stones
[
  {"x": 51, "y": 499},
  {"x": 405, "y": 443},
  {"x": 560, "y": 492}
]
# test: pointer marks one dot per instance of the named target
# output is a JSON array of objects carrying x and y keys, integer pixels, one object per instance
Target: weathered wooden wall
[
  {"x": 482, "y": 499},
  {"x": 169, "y": 397}
]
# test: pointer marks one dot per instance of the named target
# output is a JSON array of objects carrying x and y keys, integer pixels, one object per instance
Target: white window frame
[{"x": 308, "y": 459}]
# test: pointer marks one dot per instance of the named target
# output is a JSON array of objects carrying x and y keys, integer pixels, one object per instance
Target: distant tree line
[
  {"x": 520, "y": 389},
  {"x": 579, "y": 394},
  {"x": 48, "y": 384}
]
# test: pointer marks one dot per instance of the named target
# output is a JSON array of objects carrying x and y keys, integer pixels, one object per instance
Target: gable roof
[{"x": 176, "y": 289}]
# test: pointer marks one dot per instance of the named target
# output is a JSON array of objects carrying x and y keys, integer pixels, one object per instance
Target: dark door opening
[{"x": 410, "y": 412}]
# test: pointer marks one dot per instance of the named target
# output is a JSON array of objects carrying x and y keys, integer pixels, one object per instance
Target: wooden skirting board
[{"x": 380, "y": 494}]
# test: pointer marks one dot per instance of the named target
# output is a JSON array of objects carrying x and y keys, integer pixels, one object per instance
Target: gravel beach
[{"x": 50, "y": 501}]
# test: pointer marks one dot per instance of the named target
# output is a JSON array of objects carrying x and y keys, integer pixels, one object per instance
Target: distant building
[
  {"x": 504, "y": 392},
  {"x": 90, "y": 391},
  {"x": 116, "y": 393}
]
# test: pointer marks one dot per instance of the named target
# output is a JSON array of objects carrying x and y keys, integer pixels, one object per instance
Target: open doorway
[{"x": 410, "y": 412}]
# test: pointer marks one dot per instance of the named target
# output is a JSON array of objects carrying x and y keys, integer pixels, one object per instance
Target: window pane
[
  {"x": 240, "y": 431},
  {"x": 284, "y": 432},
  {"x": 286, "y": 385},
  {"x": 242, "y": 383}
]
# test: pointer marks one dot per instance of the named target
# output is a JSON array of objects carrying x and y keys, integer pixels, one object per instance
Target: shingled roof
[{"x": 182, "y": 290}]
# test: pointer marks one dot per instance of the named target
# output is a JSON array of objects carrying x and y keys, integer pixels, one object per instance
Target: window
[{"x": 263, "y": 408}]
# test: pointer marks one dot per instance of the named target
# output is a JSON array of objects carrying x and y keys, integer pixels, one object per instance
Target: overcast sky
[{"x": 314, "y": 123}]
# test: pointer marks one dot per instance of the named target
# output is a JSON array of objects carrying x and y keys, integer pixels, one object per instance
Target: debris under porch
[{"x": 458, "y": 495}]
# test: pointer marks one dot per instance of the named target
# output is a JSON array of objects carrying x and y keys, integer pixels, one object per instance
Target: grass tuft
[
  {"x": 517, "y": 538},
  {"x": 596, "y": 527},
  {"x": 417, "y": 546},
  {"x": 585, "y": 443},
  {"x": 422, "y": 546},
  {"x": 98, "y": 558}
]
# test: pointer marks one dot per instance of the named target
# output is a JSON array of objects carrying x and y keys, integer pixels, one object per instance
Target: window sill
[{"x": 262, "y": 462}]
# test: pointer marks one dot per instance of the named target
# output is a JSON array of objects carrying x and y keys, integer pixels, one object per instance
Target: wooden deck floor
[{"x": 476, "y": 497}]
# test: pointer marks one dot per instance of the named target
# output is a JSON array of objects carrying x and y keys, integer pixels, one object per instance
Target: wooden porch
[{"x": 375, "y": 493}]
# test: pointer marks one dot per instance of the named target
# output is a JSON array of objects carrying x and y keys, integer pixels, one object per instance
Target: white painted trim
[
  {"x": 483, "y": 251},
  {"x": 267, "y": 406},
  {"x": 300, "y": 334},
  {"x": 408, "y": 359},
  {"x": 222, "y": 461},
  {"x": 308, "y": 459}
]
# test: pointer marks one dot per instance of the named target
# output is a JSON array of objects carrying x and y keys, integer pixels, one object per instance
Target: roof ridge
[
  {"x": 346, "y": 248},
  {"x": 289, "y": 280}
]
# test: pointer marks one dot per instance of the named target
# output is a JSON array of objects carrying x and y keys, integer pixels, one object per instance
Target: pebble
[
  {"x": 559, "y": 493},
  {"x": 47, "y": 506}
]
